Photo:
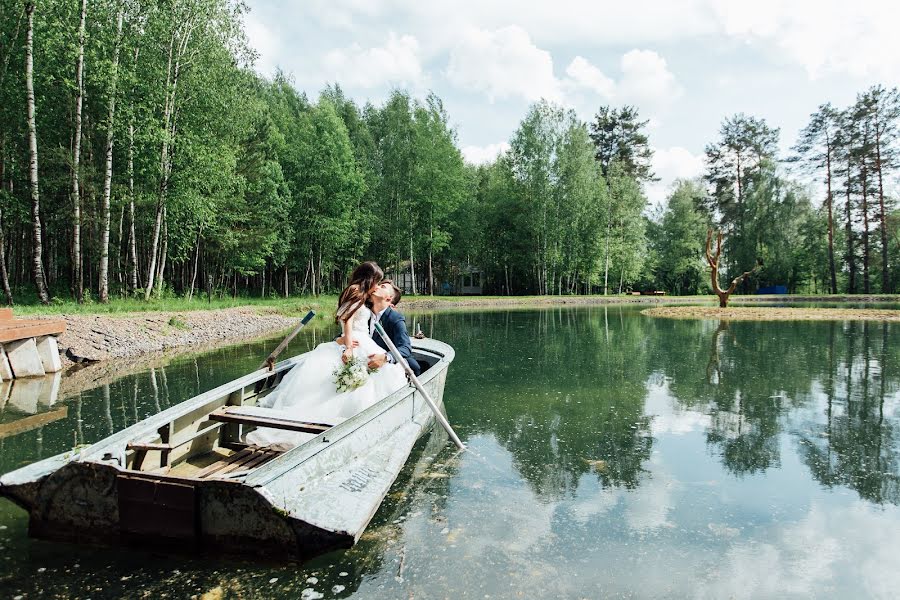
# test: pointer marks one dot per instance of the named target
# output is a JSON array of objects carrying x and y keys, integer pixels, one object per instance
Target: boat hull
[{"x": 314, "y": 498}]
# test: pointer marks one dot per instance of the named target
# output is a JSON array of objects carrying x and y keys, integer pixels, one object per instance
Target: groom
[{"x": 384, "y": 299}]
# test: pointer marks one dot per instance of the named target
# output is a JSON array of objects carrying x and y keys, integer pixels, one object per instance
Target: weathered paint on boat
[{"x": 316, "y": 497}]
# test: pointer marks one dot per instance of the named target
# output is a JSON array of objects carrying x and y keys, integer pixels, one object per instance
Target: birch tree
[
  {"x": 37, "y": 262},
  {"x": 107, "y": 180}
]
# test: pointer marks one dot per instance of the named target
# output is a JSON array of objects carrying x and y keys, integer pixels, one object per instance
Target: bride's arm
[{"x": 348, "y": 341}]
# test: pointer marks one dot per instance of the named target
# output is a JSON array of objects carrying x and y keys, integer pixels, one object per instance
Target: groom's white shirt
[{"x": 376, "y": 319}]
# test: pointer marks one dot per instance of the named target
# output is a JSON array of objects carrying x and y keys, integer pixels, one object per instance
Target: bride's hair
[{"x": 364, "y": 278}]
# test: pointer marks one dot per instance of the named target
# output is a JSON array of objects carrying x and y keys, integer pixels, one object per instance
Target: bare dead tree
[{"x": 713, "y": 261}]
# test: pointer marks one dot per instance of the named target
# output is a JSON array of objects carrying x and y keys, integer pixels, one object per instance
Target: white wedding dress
[{"x": 308, "y": 392}]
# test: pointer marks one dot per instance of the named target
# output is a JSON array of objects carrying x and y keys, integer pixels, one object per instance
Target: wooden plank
[
  {"x": 148, "y": 446},
  {"x": 20, "y": 332},
  {"x": 217, "y": 466},
  {"x": 6, "y": 314},
  {"x": 273, "y": 422},
  {"x": 245, "y": 462},
  {"x": 262, "y": 457}
]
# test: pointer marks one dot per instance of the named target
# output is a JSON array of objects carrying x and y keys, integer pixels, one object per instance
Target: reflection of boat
[{"x": 184, "y": 477}]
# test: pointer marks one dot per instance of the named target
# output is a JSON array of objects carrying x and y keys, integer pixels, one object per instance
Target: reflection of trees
[
  {"x": 856, "y": 446},
  {"x": 748, "y": 377},
  {"x": 569, "y": 398},
  {"x": 754, "y": 372}
]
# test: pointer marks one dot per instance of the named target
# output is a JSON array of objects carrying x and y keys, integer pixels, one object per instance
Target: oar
[
  {"x": 415, "y": 380},
  {"x": 270, "y": 361}
]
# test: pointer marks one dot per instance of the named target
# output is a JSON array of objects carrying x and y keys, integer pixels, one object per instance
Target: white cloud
[
  {"x": 646, "y": 79},
  {"x": 479, "y": 155},
  {"x": 397, "y": 62},
  {"x": 503, "y": 64},
  {"x": 670, "y": 164},
  {"x": 798, "y": 560},
  {"x": 583, "y": 74},
  {"x": 265, "y": 42},
  {"x": 823, "y": 36}
]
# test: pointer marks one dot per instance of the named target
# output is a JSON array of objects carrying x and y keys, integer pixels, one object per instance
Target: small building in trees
[{"x": 469, "y": 281}]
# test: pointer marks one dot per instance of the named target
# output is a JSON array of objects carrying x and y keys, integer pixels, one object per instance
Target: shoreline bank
[
  {"x": 129, "y": 335},
  {"x": 772, "y": 313},
  {"x": 101, "y": 338}
]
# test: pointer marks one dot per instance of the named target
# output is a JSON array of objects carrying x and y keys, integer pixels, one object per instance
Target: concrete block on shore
[
  {"x": 48, "y": 350},
  {"x": 6, "y": 373},
  {"x": 24, "y": 358}
]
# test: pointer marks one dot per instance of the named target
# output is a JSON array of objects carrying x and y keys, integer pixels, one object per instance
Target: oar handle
[
  {"x": 415, "y": 381},
  {"x": 270, "y": 361}
]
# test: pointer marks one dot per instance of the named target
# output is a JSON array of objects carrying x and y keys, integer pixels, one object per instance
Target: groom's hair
[{"x": 397, "y": 292}]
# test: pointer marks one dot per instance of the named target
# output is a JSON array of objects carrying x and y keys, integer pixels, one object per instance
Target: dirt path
[{"x": 773, "y": 313}]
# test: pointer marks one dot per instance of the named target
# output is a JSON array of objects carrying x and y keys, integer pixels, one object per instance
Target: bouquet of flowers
[{"x": 351, "y": 375}]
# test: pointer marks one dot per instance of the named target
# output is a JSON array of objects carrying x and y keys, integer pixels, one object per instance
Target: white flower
[{"x": 351, "y": 375}]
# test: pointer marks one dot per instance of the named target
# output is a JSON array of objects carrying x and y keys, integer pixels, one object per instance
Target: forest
[{"x": 141, "y": 155}]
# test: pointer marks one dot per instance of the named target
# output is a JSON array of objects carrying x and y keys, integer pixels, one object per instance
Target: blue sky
[{"x": 685, "y": 64}]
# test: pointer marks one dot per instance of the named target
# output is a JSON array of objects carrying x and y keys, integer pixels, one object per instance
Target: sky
[{"x": 685, "y": 64}]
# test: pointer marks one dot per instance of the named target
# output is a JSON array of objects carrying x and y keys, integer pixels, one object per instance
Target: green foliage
[
  {"x": 618, "y": 135},
  {"x": 680, "y": 242},
  {"x": 262, "y": 191}
]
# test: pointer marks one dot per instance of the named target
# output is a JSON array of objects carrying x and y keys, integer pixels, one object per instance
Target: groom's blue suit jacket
[{"x": 394, "y": 324}]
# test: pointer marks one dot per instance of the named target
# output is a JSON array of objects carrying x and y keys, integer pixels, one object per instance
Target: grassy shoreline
[{"x": 325, "y": 305}]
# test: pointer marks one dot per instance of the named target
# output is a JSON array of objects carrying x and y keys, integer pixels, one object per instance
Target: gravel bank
[
  {"x": 426, "y": 303},
  {"x": 752, "y": 313},
  {"x": 104, "y": 337}
]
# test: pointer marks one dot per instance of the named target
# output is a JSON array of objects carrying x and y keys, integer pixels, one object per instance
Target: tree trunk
[
  {"x": 172, "y": 70},
  {"x": 830, "y": 203},
  {"x": 412, "y": 268},
  {"x": 606, "y": 266},
  {"x": 263, "y": 275},
  {"x": 163, "y": 253},
  {"x": 848, "y": 227},
  {"x": 132, "y": 240},
  {"x": 77, "y": 259},
  {"x": 196, "y": 262},
  {"x": 37, "y": 262},
  {"x": 119, "y": 277},
  {"x": 107, "y": 181},
  {"x": 865, "y": 213},
  {"x": 4, "y": 276},
  {"x": 431, "y": 261},
  {"x": 885, "y": 271},
  {"x": 713, "y": 260}
]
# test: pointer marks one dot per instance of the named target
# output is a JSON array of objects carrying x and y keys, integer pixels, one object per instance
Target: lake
[{"x": 612, "y": 454}]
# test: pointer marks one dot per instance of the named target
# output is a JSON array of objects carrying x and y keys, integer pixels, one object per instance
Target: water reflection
[
  {"x": 613, "y": 454},
  {"x": 564, "y": 394}
]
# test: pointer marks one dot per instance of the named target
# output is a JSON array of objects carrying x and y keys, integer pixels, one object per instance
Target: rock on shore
[{"x": 102, "y": 337}]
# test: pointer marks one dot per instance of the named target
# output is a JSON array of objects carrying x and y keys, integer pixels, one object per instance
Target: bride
[{"x": 308, "y": 392}]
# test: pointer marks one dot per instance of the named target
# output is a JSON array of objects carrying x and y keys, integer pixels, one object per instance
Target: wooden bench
[{"x": 263, "y": 417}]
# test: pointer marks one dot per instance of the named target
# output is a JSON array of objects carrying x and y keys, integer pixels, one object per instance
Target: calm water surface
[{"x": 612, "y": 455}]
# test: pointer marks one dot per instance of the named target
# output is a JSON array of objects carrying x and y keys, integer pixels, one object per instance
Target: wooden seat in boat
[{"x": 266, "y": 417}]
